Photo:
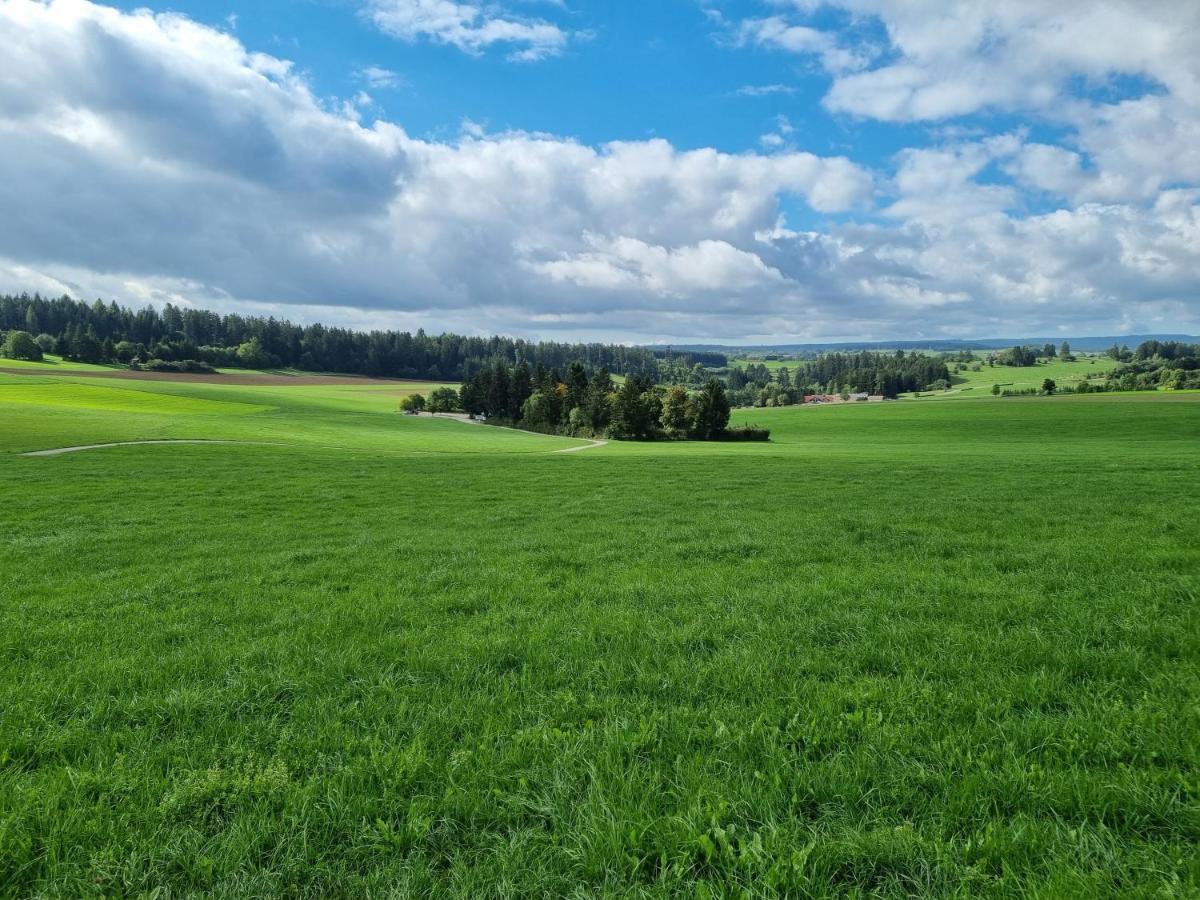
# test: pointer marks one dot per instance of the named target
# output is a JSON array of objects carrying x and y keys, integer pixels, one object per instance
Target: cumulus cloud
[
  {"x": 469, "y": 26},
  {"x": 626, "y": 264},
  {"x": 954, "y": 58},
  {"x": 1058, "y": 62},
  {"x": 777, "y": 32},
  {"x": 149, "y": 158}
]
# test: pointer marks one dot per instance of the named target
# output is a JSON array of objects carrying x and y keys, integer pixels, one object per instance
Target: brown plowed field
[{"x": 252, "y": 380}]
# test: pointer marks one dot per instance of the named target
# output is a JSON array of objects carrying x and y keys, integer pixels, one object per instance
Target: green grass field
[
  {"x": 949, "y": 649},
  {"x": 968, "y": 384},
  {"x": 55, "y": 365},
  {"x": 1065, "y": 374}
]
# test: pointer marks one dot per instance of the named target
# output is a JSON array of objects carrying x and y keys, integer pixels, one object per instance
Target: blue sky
[
  {"x": 741, "y": 171},
  {"x": 644, "y": 70}
]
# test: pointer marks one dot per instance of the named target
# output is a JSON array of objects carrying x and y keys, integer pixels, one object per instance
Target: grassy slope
[
  {"x": 54, "y": 365},
  {"x": 973, "y": 384},
  {"x": 52, "y": 412},
  {"x": 1021, "y": 377},
  {"x": 912, "y": 647}
]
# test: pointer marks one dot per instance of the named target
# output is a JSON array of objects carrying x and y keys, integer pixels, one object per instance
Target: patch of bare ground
[{"x": 203, "y": 378}]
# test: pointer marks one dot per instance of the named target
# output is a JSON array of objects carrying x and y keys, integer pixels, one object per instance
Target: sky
[{"x": 643, "y": 171}]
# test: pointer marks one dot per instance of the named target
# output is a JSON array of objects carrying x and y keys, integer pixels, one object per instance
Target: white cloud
[
  {"x": 955, "y": 57},
  {"x": 765, "y": 90},
  {"x": 939, "y": 184},
  {"x": 470, "y": 26},
  {"x": 777, "y": 32},
  {"x": 379, "y": 78},
  {"x": 626, "y": 264},
  {"x": 150, "y": 158}
]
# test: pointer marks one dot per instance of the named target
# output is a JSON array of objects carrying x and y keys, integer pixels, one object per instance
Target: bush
[
  {"x": 47, "y": 342},
  {"x": 126, "y": 351},
  {"x": 252, "y": 355},
  {"x": 21, "y": 345},
  {"x": 443, "y": 399},
  {"x": 413, "y": 403},
  {"x": 745, "y": 433},
  {"x": 182, "y": 365}
]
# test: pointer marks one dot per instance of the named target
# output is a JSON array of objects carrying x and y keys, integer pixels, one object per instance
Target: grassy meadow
[
  {"x": 967, "y": 384},
  {"x": 56, "y": 365},
  {"x": 1017, "y": 378},
  {"x": 906, "y": 648}
]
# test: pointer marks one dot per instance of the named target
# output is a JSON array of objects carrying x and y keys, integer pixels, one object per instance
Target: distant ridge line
[{"x": 1077, "y": 343}]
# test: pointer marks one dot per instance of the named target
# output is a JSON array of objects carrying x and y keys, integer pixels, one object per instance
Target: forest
[
  {"x": 1158, "y": 364},
  {"x": 578, "y": 405},
  {"x": 107, "y": 332},
  {"x": 886, "y": 374}
]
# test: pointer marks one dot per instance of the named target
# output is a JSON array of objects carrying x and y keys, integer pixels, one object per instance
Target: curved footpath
[
  {"x": 467, "y": 420},
  {"x": 59, "y": 451}
]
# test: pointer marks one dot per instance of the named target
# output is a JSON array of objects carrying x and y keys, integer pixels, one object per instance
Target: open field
[
  {"x": 773, "y": 364},
  {"x": 910, "y": 647},
  {"x": 252, "y": 377},
  {"x": 1019, "y": 378},
  {"x": 969, "y": 384},
  {"x": 52, "y": 365}
]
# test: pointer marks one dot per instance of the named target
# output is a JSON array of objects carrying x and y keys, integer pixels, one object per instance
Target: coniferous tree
[
  {"x": 520, "y": 390},
  {"x": 87, "y": 347},
  {"x": 598, "y": 413},
  {"x": 498, "y": 392},
  {"x": 631, "y": 417},
  {"x": 577, "y": 387},
  {"x": 711, "y": 410}
]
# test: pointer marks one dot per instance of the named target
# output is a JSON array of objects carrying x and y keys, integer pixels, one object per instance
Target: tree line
[
  {"x": 1172, "y": 365},
  {"x": 884, "y": 374},
  {"x": 1023, "y": 357},
  {"x": 583, "y": 405},
  {"x": 107, "y": 332}
]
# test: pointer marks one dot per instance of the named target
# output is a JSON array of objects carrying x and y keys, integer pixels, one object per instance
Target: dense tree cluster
[
  {"x": 1023, "y": 357},
  {"x": 577, "y": 404},
  {"x": 1159, "y": 364},
  {"x": 1019, "y": 357},
  {"x": 885, "y": 374},
  {"x": 101, "y": 332}
]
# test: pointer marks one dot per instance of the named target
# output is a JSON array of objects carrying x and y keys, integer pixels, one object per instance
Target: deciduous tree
[{"x": 21, "y": 345}]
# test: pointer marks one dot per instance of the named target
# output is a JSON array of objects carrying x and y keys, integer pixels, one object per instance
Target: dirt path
[
  {"x": 58, "y": 451},
  {"x": 589, "y": 446},
  {"x": 463, "y": 417},
  {"x": 458, "y": 417}
]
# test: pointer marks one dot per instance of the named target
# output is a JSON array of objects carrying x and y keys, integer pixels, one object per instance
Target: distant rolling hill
[{"x": 1077, "y": 343}]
